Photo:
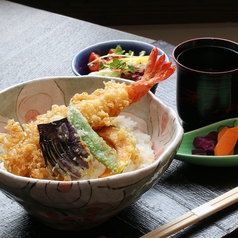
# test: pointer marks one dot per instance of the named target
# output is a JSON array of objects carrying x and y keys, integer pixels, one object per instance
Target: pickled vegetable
[{"x": 205, "y": 145}]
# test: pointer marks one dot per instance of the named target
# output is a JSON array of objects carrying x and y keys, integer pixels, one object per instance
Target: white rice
[{"x": 146, "y": 154}]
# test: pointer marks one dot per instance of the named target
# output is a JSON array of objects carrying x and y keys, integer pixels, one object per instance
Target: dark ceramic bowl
[
  {"x": 80, "y": 60},
  {"x": 207, "y": 81}
]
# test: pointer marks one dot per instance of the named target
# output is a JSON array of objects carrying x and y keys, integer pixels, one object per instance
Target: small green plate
[{"x": 184, "y": 153}]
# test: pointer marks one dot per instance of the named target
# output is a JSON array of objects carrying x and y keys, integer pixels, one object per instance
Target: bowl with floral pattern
[{"x": 77, "y": 203}]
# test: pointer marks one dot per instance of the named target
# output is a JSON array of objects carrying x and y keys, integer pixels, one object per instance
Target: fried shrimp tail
[{"x": 156, "y": 71}]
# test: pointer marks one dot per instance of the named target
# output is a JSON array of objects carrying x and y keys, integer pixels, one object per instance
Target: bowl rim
[{"x": 155, "y": 164}]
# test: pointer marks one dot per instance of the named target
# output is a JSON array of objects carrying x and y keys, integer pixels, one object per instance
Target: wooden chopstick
[{"x": 195, "y": 215}]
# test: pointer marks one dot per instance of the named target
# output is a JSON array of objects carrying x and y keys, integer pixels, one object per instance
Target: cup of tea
[{"x": 207, "y": 81}]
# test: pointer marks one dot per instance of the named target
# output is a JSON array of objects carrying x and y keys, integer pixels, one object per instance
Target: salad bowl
[
  {"x": 80, "y": 61},
  {"x": 85, "y": 203}
]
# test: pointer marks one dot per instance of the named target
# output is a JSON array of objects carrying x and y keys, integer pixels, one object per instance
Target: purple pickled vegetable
[
  {"x": 198, "y": 151},
  {"x": 205, "y": 145},
  {"x": 62, "y": 149},
  {"x": 212, "y": 136},
  {"x": 202, "y": 143},
  {"x": 210, "y": 151}
]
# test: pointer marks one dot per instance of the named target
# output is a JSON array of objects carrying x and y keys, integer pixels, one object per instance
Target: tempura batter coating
[
  {"x": 102, "y": 104},
  {"x": 22, "y": 154}
]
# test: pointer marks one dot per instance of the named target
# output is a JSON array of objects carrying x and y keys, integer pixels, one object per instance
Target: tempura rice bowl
[{"x": 82, "y": 204}]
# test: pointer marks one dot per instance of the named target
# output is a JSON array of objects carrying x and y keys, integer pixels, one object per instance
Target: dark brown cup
[{"x": 207, "y": 81}]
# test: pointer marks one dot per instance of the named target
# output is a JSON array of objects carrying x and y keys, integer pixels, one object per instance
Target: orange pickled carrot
[
  {"x": 232, "y": 152},
  {"x": 222, "y": 132},
  {"x": 226, "y": 145}
]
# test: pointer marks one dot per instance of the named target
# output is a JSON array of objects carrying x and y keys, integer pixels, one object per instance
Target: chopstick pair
[{"x": 195, "y": 215}]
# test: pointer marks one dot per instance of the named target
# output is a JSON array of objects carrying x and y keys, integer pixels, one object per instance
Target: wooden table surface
[{"x": 36, "y": 43}]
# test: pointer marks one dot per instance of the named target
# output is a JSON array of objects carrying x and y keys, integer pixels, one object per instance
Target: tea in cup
[{"x": 207, "y": 81}]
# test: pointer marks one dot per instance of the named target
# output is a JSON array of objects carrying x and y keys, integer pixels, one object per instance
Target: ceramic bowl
[
  {"x": 80, "y": 60},
  {"x": 82, "y": 204}
]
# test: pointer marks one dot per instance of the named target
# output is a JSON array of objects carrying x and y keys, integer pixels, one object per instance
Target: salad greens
[{"x": 118, "y": 63}]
